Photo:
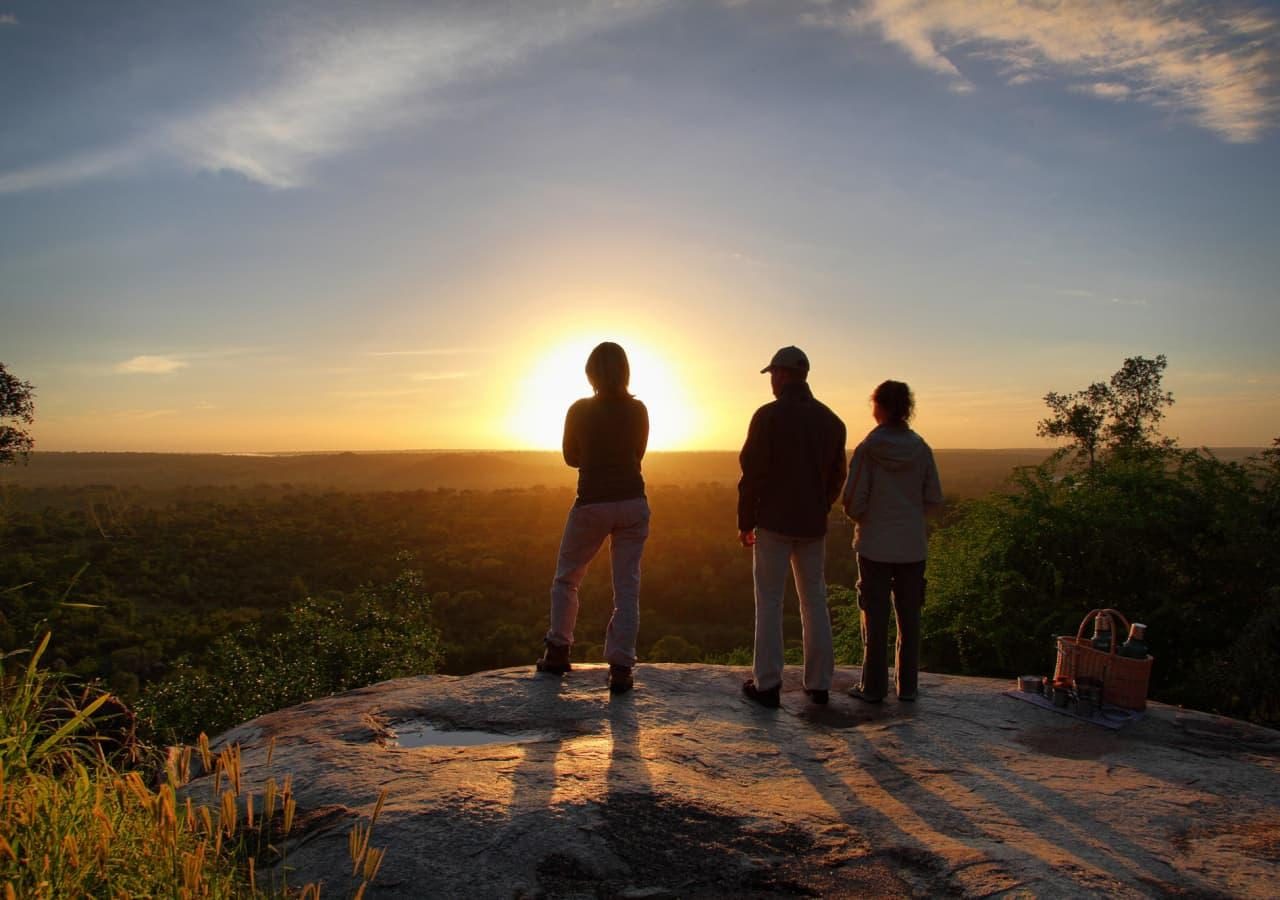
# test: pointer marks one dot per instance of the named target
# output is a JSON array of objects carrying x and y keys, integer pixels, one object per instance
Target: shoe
[
  {"x": 858, "y": 694},
  {"x": 818, "y": 696},
  {"x": 620, "y": 680},
  {"x": 771, "y": 698},
  {"x": 907, "y": 698},
  {"x": 555, "y": 659}
]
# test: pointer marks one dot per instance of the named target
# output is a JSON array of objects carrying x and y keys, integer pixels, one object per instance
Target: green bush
[
  {"x": 73, "y": 825},
  {"x": 1179, "y": 540},
  {"x": 326, "y": 645},
  {"x": 846, "y": 624},
  {"x": 673, "y": 648}
]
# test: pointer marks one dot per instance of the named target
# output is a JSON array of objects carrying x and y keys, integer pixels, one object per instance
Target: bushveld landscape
[
  {"x": 170, "y": 610},
  {"x": 294, "y": 298},
  {"x": 207, "y": 589}
]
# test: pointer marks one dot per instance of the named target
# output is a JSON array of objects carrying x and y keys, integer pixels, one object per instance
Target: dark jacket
[
  {"x": 793, "y": 465},
  {"x": 604, "y": 439}
]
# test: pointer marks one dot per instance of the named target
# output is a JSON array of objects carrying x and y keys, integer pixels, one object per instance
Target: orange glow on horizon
[{"x": 558, "y": 378}]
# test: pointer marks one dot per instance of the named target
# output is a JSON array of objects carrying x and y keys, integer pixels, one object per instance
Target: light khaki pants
[
  {"x": 773, "y": 555},
  {"x": 626, "y": 524}
]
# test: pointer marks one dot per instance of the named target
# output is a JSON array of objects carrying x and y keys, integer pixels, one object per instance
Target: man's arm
[
  {"x": 754, "y": 460},
  {"x": 837, "y": 469},
  {"x": 857, "y": 489}
]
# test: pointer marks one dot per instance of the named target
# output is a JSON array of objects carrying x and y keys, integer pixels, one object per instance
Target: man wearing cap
[{"x": 793, "y": 466}]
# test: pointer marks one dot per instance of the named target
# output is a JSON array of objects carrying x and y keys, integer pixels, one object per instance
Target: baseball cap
[{"x": 788, "y": 358}]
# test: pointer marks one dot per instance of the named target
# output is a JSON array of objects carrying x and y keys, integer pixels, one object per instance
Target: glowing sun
[{"x": 558, "y": 378}]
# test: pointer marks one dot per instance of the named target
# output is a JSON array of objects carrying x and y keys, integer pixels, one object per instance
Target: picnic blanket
[{"x": 1108, "y": 717}]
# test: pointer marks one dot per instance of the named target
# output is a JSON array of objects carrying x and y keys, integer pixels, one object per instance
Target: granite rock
[{"x": 683, "y": 788}]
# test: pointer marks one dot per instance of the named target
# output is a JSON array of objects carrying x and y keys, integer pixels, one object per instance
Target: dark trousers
[{"x": 876, "y": 581}]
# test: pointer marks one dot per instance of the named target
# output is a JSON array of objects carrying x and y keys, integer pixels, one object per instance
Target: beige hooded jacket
[{"x": 892, "y": 482}]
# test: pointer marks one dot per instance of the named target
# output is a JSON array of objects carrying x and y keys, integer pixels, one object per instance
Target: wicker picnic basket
[{"x": 1124, "y": 680}]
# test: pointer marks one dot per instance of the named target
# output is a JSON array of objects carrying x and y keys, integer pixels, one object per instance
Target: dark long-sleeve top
[
  {"x": 605, "y": 437},
  {"x": 793, "y": 465}
]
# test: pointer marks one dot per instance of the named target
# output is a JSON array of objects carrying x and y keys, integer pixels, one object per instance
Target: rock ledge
[{"x": 685, "y": 789}]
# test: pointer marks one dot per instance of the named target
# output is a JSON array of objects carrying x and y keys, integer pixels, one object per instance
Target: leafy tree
[
  {"x": 1121, "y": 416},
  {"x": 17, "y": 408},
  {"x": 1183, "y": 542},
  {"x": 1079, "y": 416}
]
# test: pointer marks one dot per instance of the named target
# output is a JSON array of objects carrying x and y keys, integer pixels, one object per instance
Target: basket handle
[{"x": 1117, "y": 618}]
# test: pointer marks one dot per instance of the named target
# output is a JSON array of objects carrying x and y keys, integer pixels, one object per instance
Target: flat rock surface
[{"x": 684, "y": 788}]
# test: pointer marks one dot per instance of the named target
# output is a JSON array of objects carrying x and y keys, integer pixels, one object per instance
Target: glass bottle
[
  {"x": 1136, "y": 646},
  {"x": 1102, "y": 633}
]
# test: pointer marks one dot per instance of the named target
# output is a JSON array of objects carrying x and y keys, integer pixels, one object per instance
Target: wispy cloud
[
  {"x": 8, "y": 19},
  {"x": 166, "y": 363},
  {"x": 440, "y": 376},
  {"x": 144, "y": 414},
  {"x": 1107, "y": 90},
  {"x": 337, "y": 89},
  {"x": 428, "y": 351},
  {"x": 151, "y": 365},
  {"x": 1085, "y": 294},
  {"x": 75, "y": 169},
  {"x": 1215, "y": 65},
  {"x": 374, "y": 393}
]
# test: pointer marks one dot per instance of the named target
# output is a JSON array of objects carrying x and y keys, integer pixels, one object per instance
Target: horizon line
[{"x": 555, "y": 451}]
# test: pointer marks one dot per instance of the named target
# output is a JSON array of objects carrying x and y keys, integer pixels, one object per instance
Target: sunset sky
[{"x": 257, "y": 226}]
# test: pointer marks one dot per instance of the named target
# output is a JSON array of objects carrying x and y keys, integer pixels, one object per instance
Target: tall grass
[{"x": 73, "y": 825}]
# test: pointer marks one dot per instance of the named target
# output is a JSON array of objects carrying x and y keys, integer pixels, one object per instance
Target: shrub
[
  {"x": 846, "y": 624},
  {"x": 73, "y": 825},
  {"x": 327, "y": 645},
  {"x": 673, "y": 648},
  {"x": 1180, "y": 541}
]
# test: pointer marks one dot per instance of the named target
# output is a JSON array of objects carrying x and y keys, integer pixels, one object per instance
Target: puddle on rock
[{"x": 423, "y": 734}]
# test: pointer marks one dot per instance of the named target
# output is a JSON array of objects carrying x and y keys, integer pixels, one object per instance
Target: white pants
[
  {"x": 773, "y": 554},
  {"x": 626, "y": 524}
]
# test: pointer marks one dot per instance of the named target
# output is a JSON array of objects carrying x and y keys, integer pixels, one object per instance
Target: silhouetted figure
[
  {"x": 605, "y": 437},
  {"x": 792, "y": 468},
  {"x": 893, "y": 482}
]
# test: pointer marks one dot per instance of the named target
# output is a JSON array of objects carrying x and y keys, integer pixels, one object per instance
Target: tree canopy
[
  {"x": 1120, "y": 417},
  {"x": 16, "y": 410}
]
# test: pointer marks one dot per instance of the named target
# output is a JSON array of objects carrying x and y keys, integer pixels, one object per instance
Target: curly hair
[{"x": 896, "y": 400}]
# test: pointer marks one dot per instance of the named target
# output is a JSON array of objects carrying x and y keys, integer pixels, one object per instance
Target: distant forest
[
  {"x": 142, "y": 563},
  {"x": 969, "y": 473}
]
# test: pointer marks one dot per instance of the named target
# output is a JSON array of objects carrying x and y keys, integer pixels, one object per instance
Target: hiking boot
[
  {"x": 620, "y": 680},
  {"x": 858, "y": 693},
  {"x": 818, "y": 696},
  {"x": 770, "y": 698},
  {"x": 555, "y": 659}
]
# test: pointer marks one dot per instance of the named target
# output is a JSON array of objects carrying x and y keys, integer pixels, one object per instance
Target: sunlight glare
[{"x": 558, "y": 378}]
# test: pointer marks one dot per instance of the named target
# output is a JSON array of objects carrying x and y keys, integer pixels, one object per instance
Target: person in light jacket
[{"x": 893, "y": 482}]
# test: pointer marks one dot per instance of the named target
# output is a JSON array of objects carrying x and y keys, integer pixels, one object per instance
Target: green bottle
[
  {"x": 1102, "y": 633},
  {"x": 1136, "y": 646}
]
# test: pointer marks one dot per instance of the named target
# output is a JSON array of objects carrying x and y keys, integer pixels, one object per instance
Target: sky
[{"x": 275, "y": 226}]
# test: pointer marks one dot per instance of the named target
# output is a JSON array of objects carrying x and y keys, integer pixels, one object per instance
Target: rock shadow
[{"x": 1029, "y": 805}]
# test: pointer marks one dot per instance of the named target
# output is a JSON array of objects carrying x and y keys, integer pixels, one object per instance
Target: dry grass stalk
[{"x": 73, "y": 826}]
